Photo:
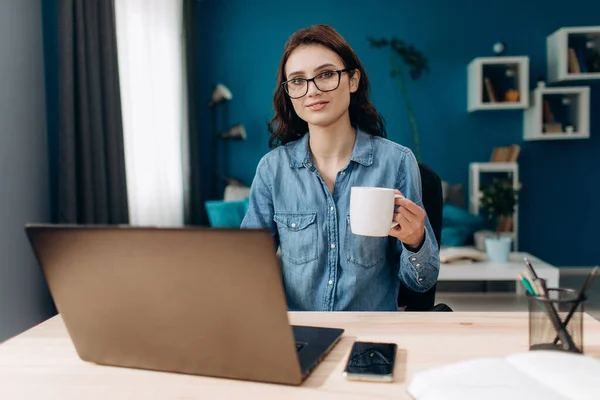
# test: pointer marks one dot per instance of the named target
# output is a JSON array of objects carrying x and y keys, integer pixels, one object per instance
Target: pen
[
  {"x": 527, "y": 285},
  {"x": 580, "y": 297},
  {"x": 530, "y": 269},
  {"x": 564, "y": 336}
]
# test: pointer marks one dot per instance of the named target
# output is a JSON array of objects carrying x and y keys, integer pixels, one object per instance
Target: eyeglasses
[{"x": 326, "y": 82}]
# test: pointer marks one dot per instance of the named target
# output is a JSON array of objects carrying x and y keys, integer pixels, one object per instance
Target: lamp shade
[
  {"x": 236, "y": 132},
  {"x": 220, "y": 93}
]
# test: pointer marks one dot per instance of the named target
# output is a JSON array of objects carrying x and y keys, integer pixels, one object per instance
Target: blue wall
[{"x": 241, "y": 42}]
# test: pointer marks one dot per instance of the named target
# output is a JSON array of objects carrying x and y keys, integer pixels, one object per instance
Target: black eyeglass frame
[{"x": 308, "y": 81}]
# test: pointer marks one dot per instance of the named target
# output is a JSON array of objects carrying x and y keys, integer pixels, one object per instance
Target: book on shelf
[
  {"x": 548, "y": 116},
  {"x": 506, "y": 153},
  {"x": 582, "y": 59},
  {"x": 574, "y": 67},
  {"x": 583, "y": 56},
  {"x": 489, "y": 89}
]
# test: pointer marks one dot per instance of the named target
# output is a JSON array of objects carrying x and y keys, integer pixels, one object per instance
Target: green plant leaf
[{"x": 499, "y": 199}]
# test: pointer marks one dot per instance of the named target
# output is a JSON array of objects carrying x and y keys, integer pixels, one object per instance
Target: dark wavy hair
[{"x": 286, "y": 126}]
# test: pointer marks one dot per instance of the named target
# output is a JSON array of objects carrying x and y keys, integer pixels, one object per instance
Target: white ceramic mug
[{"x": 372, "y": 210}]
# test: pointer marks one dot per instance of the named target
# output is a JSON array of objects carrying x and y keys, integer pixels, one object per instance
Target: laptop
[{"x": 202, "y": 301}]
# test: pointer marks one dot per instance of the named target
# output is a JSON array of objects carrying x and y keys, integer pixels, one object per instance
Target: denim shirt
[{"x": 326, "y": 267}]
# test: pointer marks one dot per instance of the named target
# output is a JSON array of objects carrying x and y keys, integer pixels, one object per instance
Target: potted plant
[
  {"x": 417, "y": 64},
  {"x": 498, "y": 200}
]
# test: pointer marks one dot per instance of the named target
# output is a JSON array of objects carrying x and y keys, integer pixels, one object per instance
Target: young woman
[{"x": 328, "y": 137}]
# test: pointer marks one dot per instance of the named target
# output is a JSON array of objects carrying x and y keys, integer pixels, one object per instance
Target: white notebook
[{"x": 534, "y": 375}]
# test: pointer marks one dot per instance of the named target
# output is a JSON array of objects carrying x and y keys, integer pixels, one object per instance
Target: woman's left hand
[{"x": 411, "y": 222}]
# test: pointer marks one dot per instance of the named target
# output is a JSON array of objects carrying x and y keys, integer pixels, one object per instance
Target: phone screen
[{"x": 369, "y": 360}]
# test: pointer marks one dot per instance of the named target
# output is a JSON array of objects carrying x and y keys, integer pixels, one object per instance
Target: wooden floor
[{"x": 501, "y": 296}]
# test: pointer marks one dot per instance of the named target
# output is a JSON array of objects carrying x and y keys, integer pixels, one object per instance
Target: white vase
[{"x": 498, "y": 248}]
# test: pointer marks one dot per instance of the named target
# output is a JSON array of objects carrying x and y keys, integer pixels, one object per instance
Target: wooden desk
[{"x": 42, "y": 364}]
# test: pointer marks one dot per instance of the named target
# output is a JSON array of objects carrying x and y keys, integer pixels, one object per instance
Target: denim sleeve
[
  {"x": 260, "y": 207},
  {"x": 418, "y": 270}
]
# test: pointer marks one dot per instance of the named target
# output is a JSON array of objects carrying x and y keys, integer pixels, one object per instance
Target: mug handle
[{"x": 396, "y": 196}]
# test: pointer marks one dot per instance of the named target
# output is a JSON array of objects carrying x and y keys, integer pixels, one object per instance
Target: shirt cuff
[
  {"x": 419, "y": 258},
  {"x": 420, "y": 261}
]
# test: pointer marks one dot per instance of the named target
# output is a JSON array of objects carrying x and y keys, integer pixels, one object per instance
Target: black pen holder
[{"x": 543, "y": 330}]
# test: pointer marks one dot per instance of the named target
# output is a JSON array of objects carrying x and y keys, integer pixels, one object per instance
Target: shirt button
[
  {"x": 293, "y": 225},
  {"x": 420, "y": 279},
  {"x": 414, "y": 259},
  {"x": 343, "y": 172},
  {"x": 330, "y": 282},
  {"x": 333, "y": 245},
  {"x": 417, "y": 265},
  {"x": 331, "y": 208}
]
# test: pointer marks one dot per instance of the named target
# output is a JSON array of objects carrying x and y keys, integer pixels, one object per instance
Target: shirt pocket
[
  {"x": 298, "y": 236},
  {"x": 364, "y": 251}
]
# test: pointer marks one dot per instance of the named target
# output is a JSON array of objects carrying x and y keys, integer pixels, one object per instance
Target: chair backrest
[{"x": 433, "y": 203}]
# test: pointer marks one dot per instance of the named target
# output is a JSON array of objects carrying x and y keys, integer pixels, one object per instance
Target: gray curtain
[
  {"x": 193, "y": 214},
  {"x": 91, "y": 176},
  {"x": 197, "y": 192}
]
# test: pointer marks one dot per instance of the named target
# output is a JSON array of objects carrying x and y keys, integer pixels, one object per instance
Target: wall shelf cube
[
  {"x": 476, "y": 171},
  {"x": 558, "y": 113},
  {"x": 573, "y": 54},
  {"x": 498, "y": 83}
]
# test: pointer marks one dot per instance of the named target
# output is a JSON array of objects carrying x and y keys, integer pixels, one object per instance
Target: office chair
[{"x": 433, "y": 203}]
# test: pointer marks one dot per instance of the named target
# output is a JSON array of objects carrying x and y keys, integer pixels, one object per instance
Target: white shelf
[
  {"x": 475, "y": 170},
  {"x": 495, "y": 167},
  {"x": 577, "y": 113},
  {"x": 557, "y": 53},
  {"x": 497, "y": 69},
  {"x": 563, "y": 136}
]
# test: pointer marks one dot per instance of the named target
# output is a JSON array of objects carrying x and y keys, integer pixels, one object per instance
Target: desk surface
[
  {"x": 41, "y": 363},
  {"x": 489, "y": 270}
]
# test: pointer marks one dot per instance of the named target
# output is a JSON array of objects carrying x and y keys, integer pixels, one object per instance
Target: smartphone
[{"x": 370, "y": 361}]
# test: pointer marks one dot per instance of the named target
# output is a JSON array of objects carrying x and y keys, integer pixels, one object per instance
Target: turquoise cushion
[
  {"x": 456, "y": 235},
  {"x": 226, "y": 214},
  {"x": 459, "y": 225}
]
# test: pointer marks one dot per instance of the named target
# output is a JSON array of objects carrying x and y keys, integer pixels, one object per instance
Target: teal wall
[{"x": 241, "y": 43}]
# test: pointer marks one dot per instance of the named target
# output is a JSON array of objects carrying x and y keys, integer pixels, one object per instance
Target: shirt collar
[{"x": 361, "y": 154}]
